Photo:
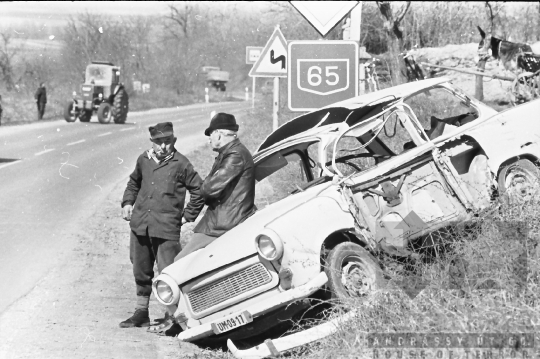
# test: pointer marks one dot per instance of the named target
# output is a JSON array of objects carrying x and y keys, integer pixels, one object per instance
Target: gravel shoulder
[{"x": 75, "y": 309}]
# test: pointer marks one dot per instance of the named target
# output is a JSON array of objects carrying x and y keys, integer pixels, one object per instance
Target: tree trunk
[{"x": 394, "y": 35}]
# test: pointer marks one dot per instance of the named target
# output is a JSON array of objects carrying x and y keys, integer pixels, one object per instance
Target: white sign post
[
  {"x": 252, "y": 55},
  {"x": 273, "y": 63}
]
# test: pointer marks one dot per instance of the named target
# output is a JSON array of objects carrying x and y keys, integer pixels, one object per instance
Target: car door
[{"x": 413, "y": 197}]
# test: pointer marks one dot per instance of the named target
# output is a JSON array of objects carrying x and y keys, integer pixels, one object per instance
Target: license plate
[{"x": 232, "y": 322}]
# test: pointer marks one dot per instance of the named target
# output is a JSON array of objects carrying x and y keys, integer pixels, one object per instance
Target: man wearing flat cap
[
  {"x": 229, "y": 188},
  {"x": 153, "y": 203}
]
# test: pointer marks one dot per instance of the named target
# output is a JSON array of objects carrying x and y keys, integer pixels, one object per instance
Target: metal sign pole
[
  {"x": 276, "y": 103},
  {"x": 253, "y": 93}
]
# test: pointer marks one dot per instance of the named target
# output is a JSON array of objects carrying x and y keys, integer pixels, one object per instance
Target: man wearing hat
[
  {"x": 153, "y": 203},
  {"x": 229, "y": 188}
]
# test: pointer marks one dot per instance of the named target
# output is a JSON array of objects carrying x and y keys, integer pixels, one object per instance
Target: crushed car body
[{"x": 378, "y": 172}]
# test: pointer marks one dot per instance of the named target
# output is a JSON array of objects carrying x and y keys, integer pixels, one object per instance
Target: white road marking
[
  {"x": 105, "y": 134},
  {"x": 44, "y": 151},
  {"x": 127, "y": 129},
  {"x": 75, "y": 143},
  {"x": 9, "y": 163}
]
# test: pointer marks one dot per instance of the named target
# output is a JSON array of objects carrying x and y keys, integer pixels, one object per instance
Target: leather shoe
[{"x": 139, "y": 319}]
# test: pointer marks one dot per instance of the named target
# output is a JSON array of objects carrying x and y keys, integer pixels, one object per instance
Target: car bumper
[
  {"x": 280, "y": 300},
  {"x": 273, "y": 348}
]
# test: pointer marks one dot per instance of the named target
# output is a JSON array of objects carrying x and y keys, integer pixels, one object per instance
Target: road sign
[
  {"x": 252, "y": 54},
  {"x": 273, "y": 59},
  {"x": 324, "y": 15},
  {"x": 321, "y": 73}
]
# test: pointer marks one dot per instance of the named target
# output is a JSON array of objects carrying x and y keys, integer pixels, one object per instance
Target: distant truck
[
  {"x": 216, "y": 78},
  {"x": 102, "y": 92}
]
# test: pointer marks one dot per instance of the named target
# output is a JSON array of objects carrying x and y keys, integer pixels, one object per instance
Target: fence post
[
  {"x": 479, "y": 88},
  {"x": 206, "y": 97}
]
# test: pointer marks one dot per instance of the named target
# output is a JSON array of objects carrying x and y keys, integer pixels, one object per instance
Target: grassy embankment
[{"x": 485, "y": 281}]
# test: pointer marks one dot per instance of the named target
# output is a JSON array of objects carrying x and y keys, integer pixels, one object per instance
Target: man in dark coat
[
  {"x": 229, "y": 188},
  {"x": 41, "y": 100},
  {"x": 153, "y": 202}
]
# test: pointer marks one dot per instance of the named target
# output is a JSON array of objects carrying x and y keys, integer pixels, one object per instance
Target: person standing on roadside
[
  {"x": 41, "y": 100},
  {"x": 153, "y": 203},
  {"x": 229, "y": 188}
]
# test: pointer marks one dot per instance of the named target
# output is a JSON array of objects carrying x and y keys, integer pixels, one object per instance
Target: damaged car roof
[{"x": 373, "y": 102}]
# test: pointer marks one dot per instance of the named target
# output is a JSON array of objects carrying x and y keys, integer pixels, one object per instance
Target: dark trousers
[
  {"x": 144, "y": 251},
  {"x": 40, "y": 109},
  {"x": 198, "y": 241}
]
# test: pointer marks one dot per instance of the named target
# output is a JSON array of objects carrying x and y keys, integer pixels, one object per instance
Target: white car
[{"x": 339, "y": 186}]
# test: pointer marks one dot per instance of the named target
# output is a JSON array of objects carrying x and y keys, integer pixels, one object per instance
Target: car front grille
[{"x": 229, "y": 287}]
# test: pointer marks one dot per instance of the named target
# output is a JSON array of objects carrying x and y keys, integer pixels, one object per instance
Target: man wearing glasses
[{"x": 153, "y": 203}]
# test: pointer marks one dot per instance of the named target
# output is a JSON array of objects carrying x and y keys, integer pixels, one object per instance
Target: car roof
[{"x": 338, "y": 112}]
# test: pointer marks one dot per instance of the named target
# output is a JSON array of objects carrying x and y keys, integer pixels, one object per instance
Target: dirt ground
[{"x": 75, "y": 310}]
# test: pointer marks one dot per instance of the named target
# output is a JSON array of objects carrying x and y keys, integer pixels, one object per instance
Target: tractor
[{"x": 101, "y": 92}]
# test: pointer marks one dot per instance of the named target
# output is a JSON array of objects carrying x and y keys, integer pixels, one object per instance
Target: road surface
[{"x": 53, "y": 175}]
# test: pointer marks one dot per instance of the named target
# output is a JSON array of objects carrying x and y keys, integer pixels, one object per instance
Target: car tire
[
  {"x": 352, "y": 272},
  {"x": 85, "y": 116},
  {"x": 519, "y": 181},
  {"x": 121, "y": 106},
  {"x": 70, "y": 114},
  {"x": 104, "y": 113}
]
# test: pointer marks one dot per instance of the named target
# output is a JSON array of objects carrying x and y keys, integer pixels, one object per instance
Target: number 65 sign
[{"x": 321, "y": 73}]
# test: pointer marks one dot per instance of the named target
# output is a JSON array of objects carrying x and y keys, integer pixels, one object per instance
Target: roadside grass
[
  {"x": 486, "y": 281},
  {"x": 20, "y": 107}
]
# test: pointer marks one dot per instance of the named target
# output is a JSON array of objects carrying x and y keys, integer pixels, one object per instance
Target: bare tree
[
  {"x": 7, "y": 54},
  {"x": 394, "y": 32}
]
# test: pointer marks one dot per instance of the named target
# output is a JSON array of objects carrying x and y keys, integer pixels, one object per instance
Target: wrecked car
[{"x": 373, "y": 173}]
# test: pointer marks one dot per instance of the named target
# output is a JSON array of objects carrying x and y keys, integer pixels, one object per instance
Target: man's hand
[{"x": 126, "y": 212}]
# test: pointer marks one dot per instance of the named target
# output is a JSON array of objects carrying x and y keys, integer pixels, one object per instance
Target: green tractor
[{"x": 102, "y": 92}]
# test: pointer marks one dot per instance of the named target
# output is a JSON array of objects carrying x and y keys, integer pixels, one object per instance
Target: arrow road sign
[
  {"x": 321, "y": 73},
  {"x": 273, "y": 59}
]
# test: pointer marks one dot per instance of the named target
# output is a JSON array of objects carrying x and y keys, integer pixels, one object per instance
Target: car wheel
[
  {"x": 85, "y": 116},
  {"x": 519, "y": 181},
  {"x": 104, "y": 113},
  {"x": 70, "y": 112},
  {"x": 352, "y": 271}
]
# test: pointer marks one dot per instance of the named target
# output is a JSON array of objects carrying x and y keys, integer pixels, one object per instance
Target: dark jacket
[
  {"x": 41, "y": 95},
  {"x": 158, "y": 193},
  {"x": 229, "y": 190}
]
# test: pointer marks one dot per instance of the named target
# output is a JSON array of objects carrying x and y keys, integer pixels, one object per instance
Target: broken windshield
[{"x": 387, "y": 134}]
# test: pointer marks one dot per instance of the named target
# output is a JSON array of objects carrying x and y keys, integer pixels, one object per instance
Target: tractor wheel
[
  {"x": 85, "y": 116},
  {"x": 70, "y": 112},
  {"x": 121, "y": 106},
  {"x": 352, "y": 272},
  {"x": 104, "y": 112}
]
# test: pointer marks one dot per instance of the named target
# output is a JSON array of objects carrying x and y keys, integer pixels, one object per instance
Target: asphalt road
[{"x": 54, "y": 174}]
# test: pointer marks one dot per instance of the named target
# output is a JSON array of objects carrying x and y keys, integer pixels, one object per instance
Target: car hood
[{"x": 239, "y": 242}]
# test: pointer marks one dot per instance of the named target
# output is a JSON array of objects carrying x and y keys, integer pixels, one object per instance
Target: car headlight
[
  {"x": 269, "y": 245},
  {"x": 166, "y": 290}
]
